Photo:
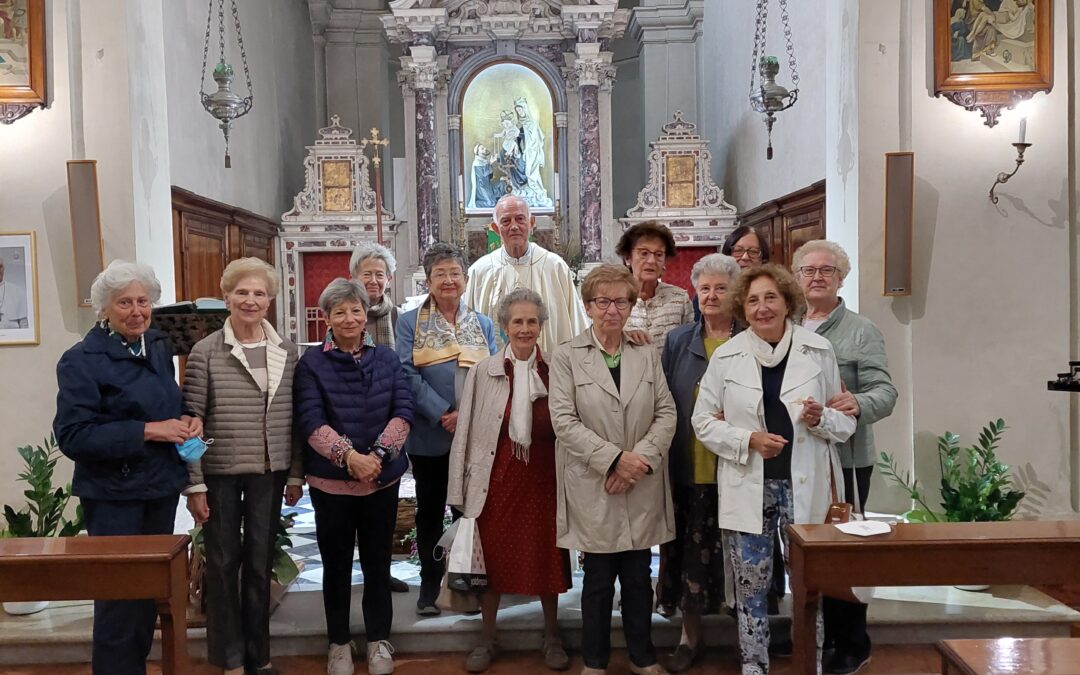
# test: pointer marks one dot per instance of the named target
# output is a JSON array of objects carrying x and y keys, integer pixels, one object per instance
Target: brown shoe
[{"x": 555, "y": 656}]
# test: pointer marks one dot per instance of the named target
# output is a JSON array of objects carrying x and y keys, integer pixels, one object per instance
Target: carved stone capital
[
  {"x": 453, "y": 122},
  {"x": 561, "y": 120},
  {"x": 420, "y": 69},
  {"x": 592, "y": 68}
]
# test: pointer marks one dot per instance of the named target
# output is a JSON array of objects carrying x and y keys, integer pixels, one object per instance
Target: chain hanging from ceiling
[
  {"x": 225, "y": 105},
  {"x": 766, "y": 96}
]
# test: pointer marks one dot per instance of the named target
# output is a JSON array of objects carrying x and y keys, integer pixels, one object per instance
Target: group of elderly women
[{"x": 648, "y": 429}]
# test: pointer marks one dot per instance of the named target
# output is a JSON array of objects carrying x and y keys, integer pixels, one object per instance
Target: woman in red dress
[{"x": 502, "y": 472}]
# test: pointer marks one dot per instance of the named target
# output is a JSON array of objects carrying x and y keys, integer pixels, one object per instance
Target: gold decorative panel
[
  {"x": 337, "y": 185},
  {"x": 680, "y": 184}
]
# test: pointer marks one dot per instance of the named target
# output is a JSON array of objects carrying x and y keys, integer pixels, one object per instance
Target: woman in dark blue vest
[
  {"x": 354, "y": 407},
  {"x": 118, "y": 417}
]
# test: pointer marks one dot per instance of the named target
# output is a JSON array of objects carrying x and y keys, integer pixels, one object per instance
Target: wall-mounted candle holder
[{"x": 1004, "y": 177}]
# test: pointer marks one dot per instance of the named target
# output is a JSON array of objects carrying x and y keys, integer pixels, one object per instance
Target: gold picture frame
[
  {"x": 988, "y": 57},
  {"x": 19, "y": 316},
  {"x": 22, "y": 58}
]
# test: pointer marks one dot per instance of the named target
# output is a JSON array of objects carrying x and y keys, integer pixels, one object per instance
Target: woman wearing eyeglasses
[
  {"x": 660, "y": 308},
  {"x": 746, "y": 246},
  {"x": 614, "y": 419},
  {"x": 821, "y": 267}
]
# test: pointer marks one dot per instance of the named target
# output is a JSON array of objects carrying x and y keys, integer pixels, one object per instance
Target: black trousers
[
  {"x": 431, "y": 474},
  {"x": 124, "y": 629},
  {"x": 245, "y": 511},
  {"x": 343, "y": 522},
  {"x": 632, "y": 569},
  {"x": 845, "y": 622}
]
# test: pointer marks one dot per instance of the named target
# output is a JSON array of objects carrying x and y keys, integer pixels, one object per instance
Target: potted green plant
[
  {"x": 43, "y": 515},
  {"x": 975, "y": 484}
]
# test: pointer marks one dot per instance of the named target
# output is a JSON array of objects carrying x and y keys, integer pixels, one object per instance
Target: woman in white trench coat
[{"x": 773, "y": 439}]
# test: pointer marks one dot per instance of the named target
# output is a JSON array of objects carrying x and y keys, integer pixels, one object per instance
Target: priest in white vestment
[{"x": 519, "y": 263}]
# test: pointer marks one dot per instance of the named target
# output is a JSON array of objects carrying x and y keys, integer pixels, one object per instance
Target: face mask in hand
[{"x": 192, "y": 449}]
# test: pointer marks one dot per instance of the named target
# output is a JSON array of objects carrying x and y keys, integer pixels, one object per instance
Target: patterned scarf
[
  {"x": 328, "y": 342},
  {"x": 380, "y": 322},
  {"x": 437, "y": 341}
]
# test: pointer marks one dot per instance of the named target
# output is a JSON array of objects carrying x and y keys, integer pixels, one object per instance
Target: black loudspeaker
[
  {"x": 899, "y": 221},
  {"x": 85, "y": 225}
]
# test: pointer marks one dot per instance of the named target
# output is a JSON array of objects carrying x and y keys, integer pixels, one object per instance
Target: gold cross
[{"x": 376, "y": 143}]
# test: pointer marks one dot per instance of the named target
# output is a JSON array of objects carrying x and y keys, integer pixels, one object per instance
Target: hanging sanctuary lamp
[
  {"x": 766, "y": 96},
  {"x": 225, "y": 105}
]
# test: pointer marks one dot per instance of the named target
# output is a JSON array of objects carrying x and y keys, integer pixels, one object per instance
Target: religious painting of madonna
[
  {"x": 992, "y": 45},
  {"x": 22, "y": 57},
  {"x": 508, "y": 138},
  {"x": 18, "y": 289}
]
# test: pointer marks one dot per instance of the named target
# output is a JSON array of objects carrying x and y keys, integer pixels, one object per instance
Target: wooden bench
[
  {"x": 150, "y": 567},
  {"x": 1016, "y": 552},
  {"x": 1006, "y": 656}
]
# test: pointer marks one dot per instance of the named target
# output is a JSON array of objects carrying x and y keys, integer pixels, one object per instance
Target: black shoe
[
  {"x": 773, "y": 603},
  {"x": 425, "y": 604},
  {"x": 782, "y": 648},
  {"x": 845, "y": 664},
  {"x": 398, "y": 586}
]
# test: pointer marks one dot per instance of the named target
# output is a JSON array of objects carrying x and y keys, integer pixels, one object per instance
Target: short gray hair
[
  {"x": 365, "y": 250},
  {"x": 520, "y": 295},
  {"x": 441, "y": 252},
  {"x": 116, "y": 277},
  {"x": 342, "y": 290},
  {"x": 842, "y": 262},
  {"x": 715, "y": 263}
]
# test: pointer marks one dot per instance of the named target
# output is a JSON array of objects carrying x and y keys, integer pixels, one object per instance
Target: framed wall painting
[
  {"x": 991, "y": 54},
  {"x": 19, "y": 318},
  {"x": 22, "y": 58}
]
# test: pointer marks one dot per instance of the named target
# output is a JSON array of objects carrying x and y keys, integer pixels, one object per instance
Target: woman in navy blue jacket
[
  {"x": 354, "y": 408},
  {"x": 118, "y": 417}
]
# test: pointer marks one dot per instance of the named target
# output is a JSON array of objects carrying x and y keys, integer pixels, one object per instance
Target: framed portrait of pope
[{"x": 508, "y": 139}]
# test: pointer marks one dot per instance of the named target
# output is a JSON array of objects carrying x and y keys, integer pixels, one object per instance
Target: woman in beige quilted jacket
[{"x": 239, "y": 382}]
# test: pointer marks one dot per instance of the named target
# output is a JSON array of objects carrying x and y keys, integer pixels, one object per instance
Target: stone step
[{"x": 908, "y": 615}]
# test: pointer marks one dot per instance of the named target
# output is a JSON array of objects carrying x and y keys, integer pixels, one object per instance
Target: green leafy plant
[
  {"x": 975, "y": 485},
  {"x": 410, "y": 538},
  {"x": 43, "y": 515}
]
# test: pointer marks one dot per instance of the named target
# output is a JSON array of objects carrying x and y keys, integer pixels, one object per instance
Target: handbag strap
[{"x": 832, "y": 478}]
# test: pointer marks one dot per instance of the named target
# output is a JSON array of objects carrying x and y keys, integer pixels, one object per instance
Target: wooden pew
[
  {"x": 150, "y": 567},
  {"x": 1009, "y": 656},
  {"x": 1015, "y": 552}
]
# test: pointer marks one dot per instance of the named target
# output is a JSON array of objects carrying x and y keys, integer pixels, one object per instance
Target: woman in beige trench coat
[{"x": 614, "y": 419}]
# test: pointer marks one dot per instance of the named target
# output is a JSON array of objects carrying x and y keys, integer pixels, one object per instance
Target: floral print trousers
[{"x": 751, "y": 558}]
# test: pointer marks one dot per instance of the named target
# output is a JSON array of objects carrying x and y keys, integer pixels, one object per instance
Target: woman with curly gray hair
[{"x": 118, "y": 417}]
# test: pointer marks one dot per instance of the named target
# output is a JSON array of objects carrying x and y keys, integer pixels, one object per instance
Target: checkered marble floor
[{"x": 305, "y": 548}]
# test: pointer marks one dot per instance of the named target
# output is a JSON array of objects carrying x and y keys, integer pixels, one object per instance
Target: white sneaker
[
  {"x": 339, "y": 660},
  {"x": 380, "y": 657}
]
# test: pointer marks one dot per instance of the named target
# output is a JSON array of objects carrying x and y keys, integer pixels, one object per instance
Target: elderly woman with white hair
[
  {"x": 869, "y": 395},
  {"x": 372, "y": 266},
  {"x": 239, "y": 382},
  {"x": 119, "y": 417},
  {"x": 693, "y": 576},
  {"x": 354, "y": 407}
]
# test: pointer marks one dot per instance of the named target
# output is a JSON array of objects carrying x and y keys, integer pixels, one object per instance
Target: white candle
[
  {"x": 556, "y": 190},
  {"x": 1023, "y": 129},
  {"x": 461, "y": 187}
]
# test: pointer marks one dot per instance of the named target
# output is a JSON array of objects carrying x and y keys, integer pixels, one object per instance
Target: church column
[
  {"x": 591, "y": 67},
  {"x": 420, "y": 69}
]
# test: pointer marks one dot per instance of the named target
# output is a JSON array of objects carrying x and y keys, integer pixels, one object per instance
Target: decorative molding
[
  {"x": 989, "y": 103},
  {"x": 679, "y": 22},
  {"x": 710, "y": 218},
  {"x": 418, "y": 74},
  {"x": 10, "y": 112}
]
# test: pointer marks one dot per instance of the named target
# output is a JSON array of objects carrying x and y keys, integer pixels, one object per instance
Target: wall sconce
[{"x": 1020, "y": 146}]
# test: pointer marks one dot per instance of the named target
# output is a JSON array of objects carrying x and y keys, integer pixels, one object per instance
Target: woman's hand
[
  {"x": 195, "y": 425},
  {"x": 198, "y": 507},
  {"x": 638, "y": 337},
  {"x": 449, "y": 421},
  {"x": 811, "y": 412},
  {"x": 166, "y": 431},
  {"x": 293, "y": 493},
  {"x": 767, "y": 445},
  {"x": 631, "y": 467},
  {"x": 363, "y": 467},
  {"x": 617, "y": 486}
]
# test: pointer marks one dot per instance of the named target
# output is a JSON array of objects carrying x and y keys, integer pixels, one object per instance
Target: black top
[
  {"x": 616, "y": 372},
  {"x": 777, "y": 420}
]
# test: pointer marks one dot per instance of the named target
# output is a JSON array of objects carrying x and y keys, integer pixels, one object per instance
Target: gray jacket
[
  {"x": 248, "y": 429},
  {"x": 860, "y": 354}
]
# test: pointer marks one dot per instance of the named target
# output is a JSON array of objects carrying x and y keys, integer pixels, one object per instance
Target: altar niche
[{"x": 508, "y": 139}]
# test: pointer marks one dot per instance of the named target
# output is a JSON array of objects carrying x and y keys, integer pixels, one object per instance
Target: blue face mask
[{"x": 192, "y": 449}]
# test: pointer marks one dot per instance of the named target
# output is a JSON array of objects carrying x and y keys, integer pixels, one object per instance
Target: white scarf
[
  {"x": 766, "y": 355},
  {"x": 528, "y": 386}
]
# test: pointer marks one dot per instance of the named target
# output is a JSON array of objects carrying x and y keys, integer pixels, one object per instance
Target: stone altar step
[{"x": 906, "y": 615}]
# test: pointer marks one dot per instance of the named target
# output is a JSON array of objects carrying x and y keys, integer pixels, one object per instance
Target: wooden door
[
  {"x": 790, "y": 221},
  {"x": 203, "y": 256}
]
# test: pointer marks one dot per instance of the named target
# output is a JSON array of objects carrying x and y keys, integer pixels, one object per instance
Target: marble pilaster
[
  {"x": 592, "y": 70},
  {"x": 421, "y": 70}
]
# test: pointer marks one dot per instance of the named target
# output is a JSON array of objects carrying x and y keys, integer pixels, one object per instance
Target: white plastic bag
[{"x": 465, "y": 569}]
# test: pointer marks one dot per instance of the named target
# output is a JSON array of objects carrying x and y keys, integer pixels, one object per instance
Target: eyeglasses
[
  {"x": 443, "y": 276},
  {"x": 739, "y": 251},
  {"x": 645, "y": 254},
  {"x": 603, "y": 303},
  {"x": 827, "y": 271}
]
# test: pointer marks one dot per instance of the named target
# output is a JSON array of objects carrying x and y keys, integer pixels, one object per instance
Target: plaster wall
[{"x": 267, "y": 144}]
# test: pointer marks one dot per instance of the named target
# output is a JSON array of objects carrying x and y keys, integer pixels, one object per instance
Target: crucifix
[{"x": 377, "y": 144}]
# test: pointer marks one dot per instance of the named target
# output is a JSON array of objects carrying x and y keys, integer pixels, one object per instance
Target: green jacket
[{"x": 860, "y": 353}]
